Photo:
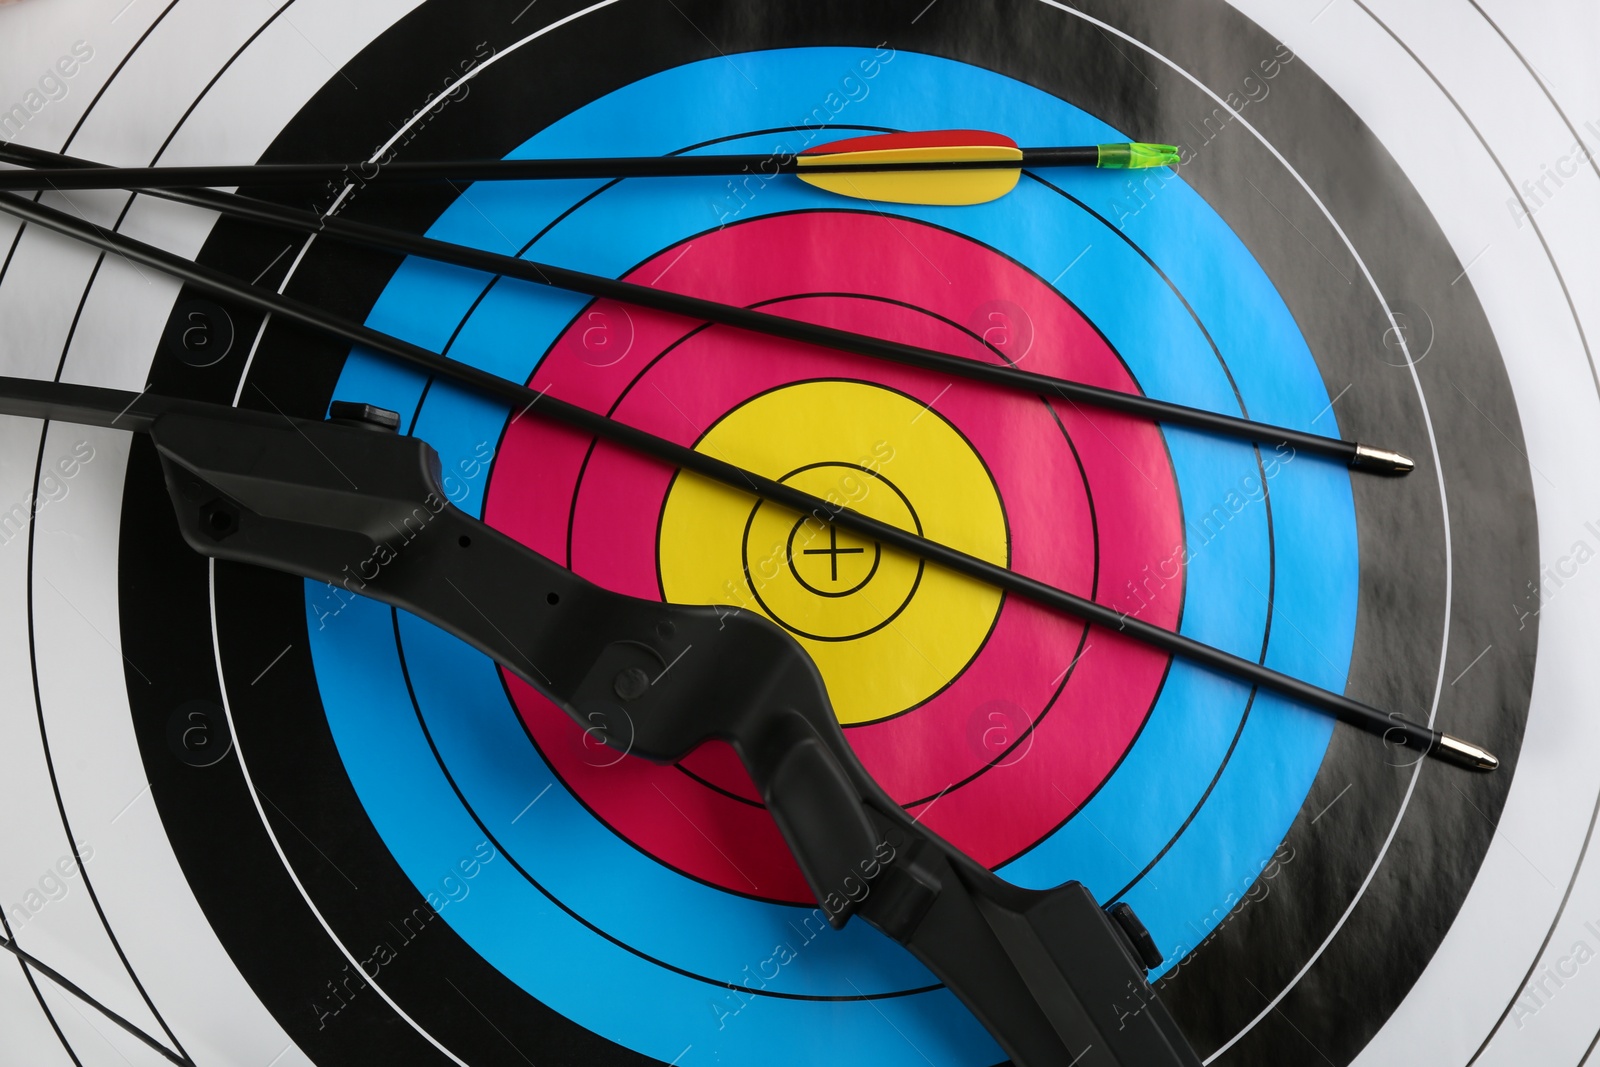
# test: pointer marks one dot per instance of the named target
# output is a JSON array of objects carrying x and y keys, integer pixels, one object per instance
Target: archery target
[
  {"x": 615, "y": 517},
  {"x": 1045, "y": 748}
]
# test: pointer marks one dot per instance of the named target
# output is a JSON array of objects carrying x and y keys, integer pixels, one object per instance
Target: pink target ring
[{"x": 1046, "y": 708}]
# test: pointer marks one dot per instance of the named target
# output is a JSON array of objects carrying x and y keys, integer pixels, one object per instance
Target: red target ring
[{"x": 1044, "y": 708}]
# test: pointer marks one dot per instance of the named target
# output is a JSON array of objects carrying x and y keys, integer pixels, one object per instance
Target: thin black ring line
[
  {"x": 1083, "y": 636},
  {"x": 744, "y": 554},
  {"x": 44, "y": 738},
  {"x": 160, "y": 151},
  {"x": 44, "y": 734},
  {"x": 82, "y": 301},
  {"x": 73, "y": 133},
  {"x": 477, "y": 301},
  {"x": 67, "y": 985},
  {"x": 1194, "y": 316},
  {"x": 872, "y": 571},
  {"x": 583, "y": 200},
  {"x": 428, "y": 380},
  {"x": 1049, "y": 704},
  {"x": 1094, "y": 589},
  {"x": 427, "y": 383},
  {"x": 1211, "y": 343},
  {"x": 32, "y": 643},
  {"x": 16, "y": 242},
  {"x": 1067, "y": 436},
  {"x": 1589, "y": 356},
  {"x": 472, "y": 813},
  {"x": 579, "y": 799},
  {"x": 638, "y": 378},
  {"x": 272, "y": 835},
  {"x": 55, "y": 784},
  {"x": 1272, "y": 570},
  {"x": 1249, "y": 704},
  {"x": 1433, "y": 446},
  {"x": 1244, "y": 716},
  {"x": 1005, "y": 515},
  {"x": 997, "y": 761},
  {"x": 261, "y": 332},
  {"x": 483, "y": 294},
  {"x": 1094, "y": 531},
  {"x": 1183, "y": 604},
  {"x": 1588, "y": 836},
  {"x": 243, "y": 375},
  {"x": 627, "y": 389},
  {"x": 349, "y": 188},
  {"x": 715, "y": 788},
  {"x": 1555, "y": 268},
  {"x": 27, "y": 973},
  {"x": 1549, "y": 935},
  {"x": 1539, "y": 81}
]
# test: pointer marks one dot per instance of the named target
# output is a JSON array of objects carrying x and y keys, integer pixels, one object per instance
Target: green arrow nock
[{"x": 1137, "y": 156}]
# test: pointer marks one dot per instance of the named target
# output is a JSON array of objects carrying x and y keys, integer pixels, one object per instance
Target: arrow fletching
[
  {"x": 963, "y": 166},
  {"x": 901, "y": 182}
]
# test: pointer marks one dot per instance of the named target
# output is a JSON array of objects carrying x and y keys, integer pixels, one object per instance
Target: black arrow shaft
[
  {"x": 1047, "y": 386},
  {"x": 525, "y": 400},
  {"x": 472, "y": 170},
  {"x": 72, "y": 987}
]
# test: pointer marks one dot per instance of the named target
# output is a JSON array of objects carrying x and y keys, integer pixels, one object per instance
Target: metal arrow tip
[
  {"x": 1381, "y": 461},
  {"x": 1465, "y": 754}
]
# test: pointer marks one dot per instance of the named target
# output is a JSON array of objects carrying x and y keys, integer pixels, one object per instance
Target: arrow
[
  {"x": 76, "y": 990},
  {"x": 952, "y": 166},
  {"x": 939, "y": 167},
  {"x": 303, "y": 496},
  {"x": 35, "y": 400},
  {"x": 1357, "y": 456}
]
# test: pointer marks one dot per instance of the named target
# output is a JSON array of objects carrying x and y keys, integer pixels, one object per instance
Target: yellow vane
[{"x": 900, "y": 182}]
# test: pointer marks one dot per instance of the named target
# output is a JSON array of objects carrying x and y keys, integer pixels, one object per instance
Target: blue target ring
[{"x": 638, "y": 952}]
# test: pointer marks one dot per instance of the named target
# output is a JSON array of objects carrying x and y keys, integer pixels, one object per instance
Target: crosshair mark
[{"x": 833, "y": 552}]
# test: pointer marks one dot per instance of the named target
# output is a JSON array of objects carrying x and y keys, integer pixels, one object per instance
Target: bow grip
[
  {"x": 819, "y": 812},
  {"x": 744, "y": 670}
]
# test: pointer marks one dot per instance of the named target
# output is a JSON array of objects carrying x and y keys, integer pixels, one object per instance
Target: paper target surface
[{"x": 270, "y": 822}]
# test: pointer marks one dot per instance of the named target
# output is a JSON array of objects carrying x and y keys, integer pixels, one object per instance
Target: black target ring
[{"x": 1401, "y": 579}]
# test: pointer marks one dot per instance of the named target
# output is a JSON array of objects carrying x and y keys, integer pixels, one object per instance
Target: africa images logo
[{"x": 51, "y": 86}]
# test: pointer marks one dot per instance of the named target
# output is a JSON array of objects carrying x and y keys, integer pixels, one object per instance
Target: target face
[{"x": 398, "y": 852}]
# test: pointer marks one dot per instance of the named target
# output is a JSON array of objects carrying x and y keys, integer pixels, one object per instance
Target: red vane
[{"x": 890, "y": 142}]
